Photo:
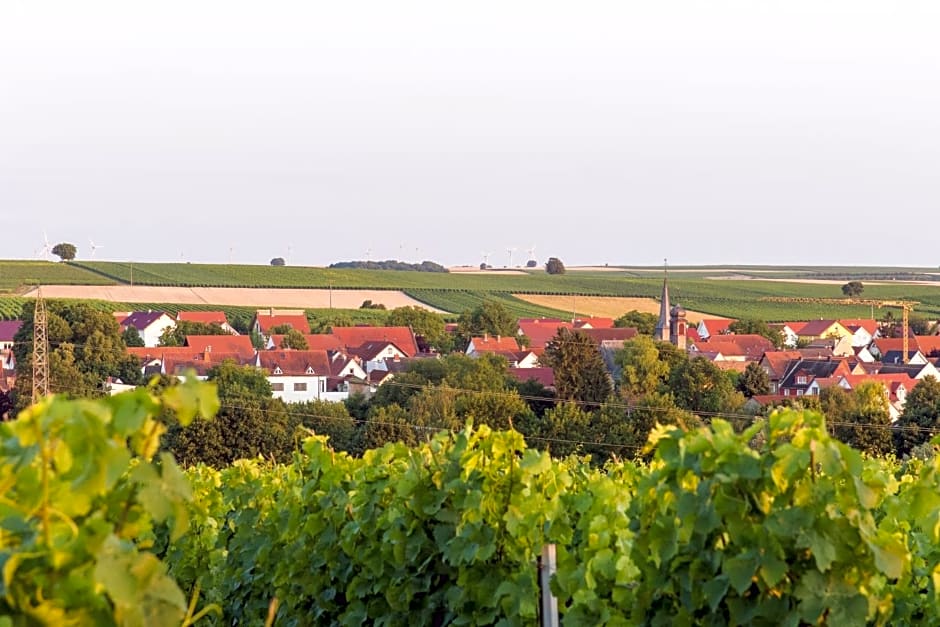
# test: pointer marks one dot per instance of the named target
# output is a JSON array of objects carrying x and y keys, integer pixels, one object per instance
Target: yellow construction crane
[{"x": 904, "y": 305}]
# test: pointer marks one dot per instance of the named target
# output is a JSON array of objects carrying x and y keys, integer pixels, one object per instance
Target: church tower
[
  {"x": 678, "y": 327},
  {"x": 662, "y": 326}
]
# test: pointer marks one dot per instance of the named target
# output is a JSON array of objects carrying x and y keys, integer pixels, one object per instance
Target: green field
[{"x": 455, "y": 292}]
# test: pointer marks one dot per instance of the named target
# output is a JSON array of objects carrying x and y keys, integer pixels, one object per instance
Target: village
[{"x": 301, "y": 366}]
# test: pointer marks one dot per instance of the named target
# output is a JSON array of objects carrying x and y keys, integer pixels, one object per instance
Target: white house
[
  {"x": 149, "y": 324},
  {"x": 296, "y": 376},
  {"x": 374, "y": 354}
]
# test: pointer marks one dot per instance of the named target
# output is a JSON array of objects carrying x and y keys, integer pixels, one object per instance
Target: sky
[{"x": 622, "y": 132}]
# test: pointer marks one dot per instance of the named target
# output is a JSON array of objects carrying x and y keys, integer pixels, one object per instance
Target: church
[{"x": 672, "y": 326}]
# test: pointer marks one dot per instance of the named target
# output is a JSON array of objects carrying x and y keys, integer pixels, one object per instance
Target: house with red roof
[
  {"x": 891, "y": 350},
  {"x": 864, "y": 330},
  {"x": 542, "y": 374},
  {"x": 232, "y": 344},
  {"x": 710, "y": 327},
  {"x": 593, "y": 323},
  {"x": 207, "y": 317},
  {"x": 149, "y": 324},
  {"x": 540, "y": 331},
  {"x": 822, "y": 329},
  {"x": 315, "y": 341},
  {"x": 744, "y": 347},
  {"x": 492, "y": 344},
  {"x": 297, "y": 376},
  {"x": 403, "y": 338},
  {"x": 180, "y": 360},
  {"x": 267, "y": 319}
]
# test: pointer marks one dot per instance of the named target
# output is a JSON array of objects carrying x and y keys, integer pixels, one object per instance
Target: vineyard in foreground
[{"x": 778, "y": 525}]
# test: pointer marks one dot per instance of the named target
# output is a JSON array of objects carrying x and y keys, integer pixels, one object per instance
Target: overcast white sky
[{"x": 798, "y": 131}]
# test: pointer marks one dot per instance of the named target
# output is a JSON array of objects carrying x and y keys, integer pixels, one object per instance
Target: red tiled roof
[
  {"x": 594, "y": 323},
  {"x": 692, "y": 334},
  {"x": 315, "y": 341},
  {"x": 238, "y": 344},
  {"x": 205, "y": 317},
  {"x": 545, "y": 376},
  {"x": 541, "y": 331},
  {"x": 613, "y": 334},
  {"x": 716, "y": 326},
  {"x": 796, "y": 326},
  {"x": 296, "y": 362},
  {"x": 886, "y": 344},
  {"x": 296, "y": 322},
  {"x": 853, "y": 324},
  {"x": 8, "y": 329},
  {"x": 929, "y": 345},
  {"x": 777, "y": 361},
  {"x": 750, "y": 346},
  {"x": 815, "y": 327},
  {"x": 354, "y": 337},
  {"x": 495, "y": 343}
]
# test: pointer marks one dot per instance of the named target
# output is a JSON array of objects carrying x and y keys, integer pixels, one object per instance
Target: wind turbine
[
  {"x": 531, "y": 252},
  {"x": 486, "y": 258},
  {"x": 510, "y": 250},
  {"x": 94, "y": 247},
  {"x": 43, "y": 253}
]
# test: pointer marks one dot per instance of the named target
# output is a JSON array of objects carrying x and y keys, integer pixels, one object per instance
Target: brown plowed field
[{"x": 248, "y": 297}]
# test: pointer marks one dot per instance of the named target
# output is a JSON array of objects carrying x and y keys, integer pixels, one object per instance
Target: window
[
  {"x": 801, "y": 379},
  {"x": 277, "y": 387},
  {"x": 277, "y": 370},
  {"x": 300, "y": 387}
]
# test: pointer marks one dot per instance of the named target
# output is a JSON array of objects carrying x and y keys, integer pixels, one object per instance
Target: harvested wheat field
[
  {"x": 234, "y": 296},
  {"x": 604, "y": 306}
]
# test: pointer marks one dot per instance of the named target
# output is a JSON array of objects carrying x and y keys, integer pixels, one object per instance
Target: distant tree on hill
[
  {"x": 554, "y": 266},
  {"x": 853, "y": 288},
  {"x": 531, "y": 263},
  {"x": 278, "y": 261},
  {"x": 368, "y": 304},
  {"x": 483, "y": 266},
  {"x": 65, "y": 251},
  {"x": 390, "y": 264}
]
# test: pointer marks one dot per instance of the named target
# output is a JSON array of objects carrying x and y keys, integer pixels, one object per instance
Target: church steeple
[{"x": 662, "y": 327}]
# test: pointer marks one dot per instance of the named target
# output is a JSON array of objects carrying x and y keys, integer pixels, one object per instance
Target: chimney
[
  {"x": 486, "y": 336},
  {"x": 498, "y": 338}
]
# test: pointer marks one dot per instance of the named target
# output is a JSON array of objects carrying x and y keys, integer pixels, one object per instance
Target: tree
[
  {"x": 754, "y": 381},
  {"x": 249, "y": 423},
  {"x": 853, "y": 288},
  {"x": 176, "y": 336},
  {"x": 294, "y": 339},
  {"x": 753, "y": 326},
  {"x": 920, "y": 421},
  {"x": 278, "y": 261},
  {"x": 565, "y": 429},
  {"x": 642, "y": 370},
  {"x": 386, "y": 425},
  {"x": 700, "y": 386},
  {"x": 867, "y": 424},
  {"x": 85, "y": 348},
  {"x": 531, "y": 263},
  {"x": 131, "y": 337},
  {"x": 65, "y": 251},
  {"x": 368, "y": 304},
  {"x": 427, "y": 326},
  {"x": 644, "y": 323},
  {"x": 489, "y": 317},
  {"x": 554, "y": 266},
  {"x": 329, "y": 419},
  {"x": 580, "y": 372}
]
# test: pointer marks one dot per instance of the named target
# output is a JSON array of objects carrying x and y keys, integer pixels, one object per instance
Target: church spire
[{"x": 662, "y": 327}]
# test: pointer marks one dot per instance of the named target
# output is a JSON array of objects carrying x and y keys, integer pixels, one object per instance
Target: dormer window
[
  {"x": 801, "y": 379},
  {"x": 277, "y": 370},
  {"x": 309, "y": 370}
]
